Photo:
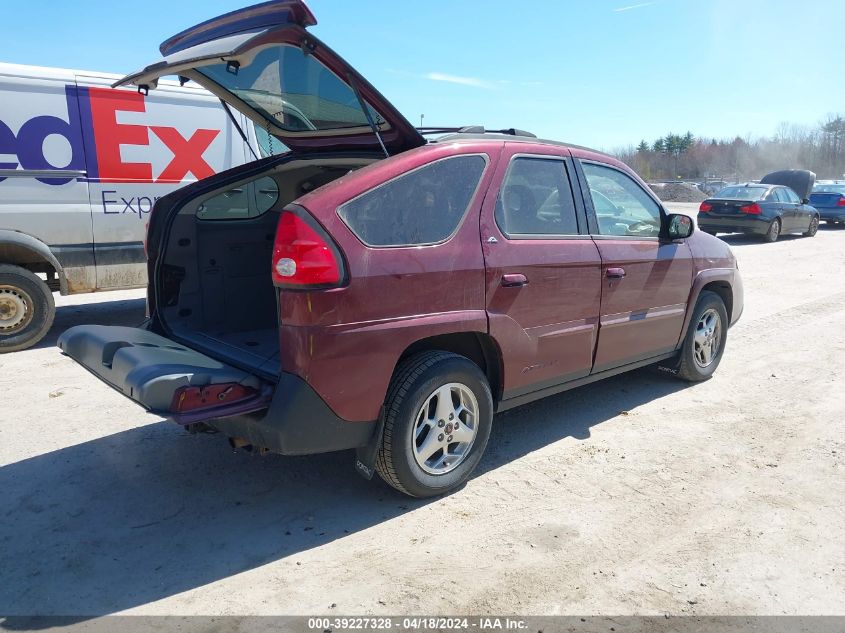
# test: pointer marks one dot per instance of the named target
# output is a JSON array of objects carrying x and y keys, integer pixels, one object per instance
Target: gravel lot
[{"x": 637, "y": 495}]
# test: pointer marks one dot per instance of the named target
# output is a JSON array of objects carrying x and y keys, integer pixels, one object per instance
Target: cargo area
[{"x": 215, "y": 286}]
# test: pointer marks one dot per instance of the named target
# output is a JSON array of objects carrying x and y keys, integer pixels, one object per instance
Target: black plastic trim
[{"x": 298, "y": 422}]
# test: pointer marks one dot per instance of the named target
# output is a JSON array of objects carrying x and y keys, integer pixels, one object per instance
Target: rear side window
[
  {"x": 536, "y": 199},
  {"x": 243, "y": 202},
  {"x": 424, "y": 206}
]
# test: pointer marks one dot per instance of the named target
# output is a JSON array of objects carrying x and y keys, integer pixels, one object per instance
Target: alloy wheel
[
  {"x": 445, "y": 428},
  {"x": 708, "y": 338}
]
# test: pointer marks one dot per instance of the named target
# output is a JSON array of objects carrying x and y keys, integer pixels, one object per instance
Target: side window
[
  {"x": 780, "y": 195},
  {"x": 772, "y": 196},
  {"x": 536, "y": 199},
  {"x": 621, "y": 205},
  {"x": 248, "y": 200},
  {"x": 793, "y": 197},
  {"x": 424, "y": 206}
]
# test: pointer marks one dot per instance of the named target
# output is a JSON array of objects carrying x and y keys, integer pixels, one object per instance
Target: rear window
[
  {"x": 424, "y": 206},
  {"x": 742, "y": 193},
  {"x": 293, "y": 91},
  {"x": 829, "y": 189}
]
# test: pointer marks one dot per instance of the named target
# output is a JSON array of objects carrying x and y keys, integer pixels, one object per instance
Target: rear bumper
[
  {"x": 298, "y": 422},
  {"x": 837, "y": 213},
  {"x": 748, "y": 224}
]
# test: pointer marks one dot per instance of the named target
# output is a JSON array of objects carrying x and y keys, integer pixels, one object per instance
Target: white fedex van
[{"x": 81, "y": 165}]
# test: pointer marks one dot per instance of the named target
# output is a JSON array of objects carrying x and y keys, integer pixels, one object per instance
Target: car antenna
[{"x": 367, "y": 113}]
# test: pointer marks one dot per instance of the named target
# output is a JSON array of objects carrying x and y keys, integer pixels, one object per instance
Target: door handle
[
  {"x": 514, "y": 280},
  {"x": 615, "y": 273}
]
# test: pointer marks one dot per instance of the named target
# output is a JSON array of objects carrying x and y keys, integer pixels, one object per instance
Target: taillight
[
  {"x": 705, "y": 207},
  {"x": 841, "y": 202},
  {"x": 751, "y": 209},
  {"x": 304, "y": 255},
  {"x": 196, "y": 398}
]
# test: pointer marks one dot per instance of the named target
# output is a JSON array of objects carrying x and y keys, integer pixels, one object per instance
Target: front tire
[
  {"x": 814, "y": 227},
  {"x": 705, "y": 341},
  {"x": 774, "y": 231},
  {"x": 438, "y": 416},
  {"x": 27, "y": 308}
]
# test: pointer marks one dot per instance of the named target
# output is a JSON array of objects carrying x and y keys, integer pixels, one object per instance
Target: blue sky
[{"x": 603, "y": 73}]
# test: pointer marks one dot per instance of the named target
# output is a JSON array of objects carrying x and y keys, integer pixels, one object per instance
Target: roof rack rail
[{"x": 474, "y": 129}]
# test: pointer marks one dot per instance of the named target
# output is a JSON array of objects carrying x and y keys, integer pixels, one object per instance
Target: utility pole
[{"x": 422, "y": 116}]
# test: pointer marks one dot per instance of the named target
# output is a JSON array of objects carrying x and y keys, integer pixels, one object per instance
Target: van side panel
[
  {"x": 139, "y": 148},
  {"x": 43, "y": 191}
]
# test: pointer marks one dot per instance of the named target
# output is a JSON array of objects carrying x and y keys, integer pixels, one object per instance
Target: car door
[
  {"x": 543, "y": 272},
  {"x": 645, "y": 280},
  {"x": 786, "y": 208},
  {"x": 800, "y": 213}
]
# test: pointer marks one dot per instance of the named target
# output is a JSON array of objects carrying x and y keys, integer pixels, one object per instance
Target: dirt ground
[{"x": 637, "y": 495}]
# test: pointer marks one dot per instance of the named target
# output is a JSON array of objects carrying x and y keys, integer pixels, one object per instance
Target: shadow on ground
[
  {"x": 153, "y": 511},
  {"x": 121, "y": 312},
  {"x": 742, "y": 239}
]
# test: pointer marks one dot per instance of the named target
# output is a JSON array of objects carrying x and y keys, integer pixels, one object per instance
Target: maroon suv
[{"x": 363, "y": 288}]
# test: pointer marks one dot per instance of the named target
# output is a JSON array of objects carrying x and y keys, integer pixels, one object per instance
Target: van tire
[
  {"x": 22, "y": 289},
  {"x": 414, "y": 382}
]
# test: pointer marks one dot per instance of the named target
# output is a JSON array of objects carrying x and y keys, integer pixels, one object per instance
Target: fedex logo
[{"x": 95, "y": 136}]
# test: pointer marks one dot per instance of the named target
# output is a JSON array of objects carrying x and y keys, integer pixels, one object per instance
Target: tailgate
[{"x": 151, "y": 369}]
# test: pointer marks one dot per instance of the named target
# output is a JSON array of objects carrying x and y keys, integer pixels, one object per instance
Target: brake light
[
  {"x": 705, "y": 207},
  {"x": 751, "y": 209},
  {"x": 841, "y": 202},
  {"x": 303, "y": 255},
  {"x": 197, "y": 398}
]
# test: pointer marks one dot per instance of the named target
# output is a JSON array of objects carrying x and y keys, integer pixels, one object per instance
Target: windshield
[
  {"x": 292, "y": 90},
  {"x": 829, "y": 189},
  {"x": 742, "y": 193}
]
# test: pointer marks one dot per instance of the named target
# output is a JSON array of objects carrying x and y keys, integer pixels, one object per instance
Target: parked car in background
[
  {"x": 82, "y": 165},
  {"x": 829, "y": 199},
  {"x": 388, "y": 294},
  {"x": 769, "y": 208}
]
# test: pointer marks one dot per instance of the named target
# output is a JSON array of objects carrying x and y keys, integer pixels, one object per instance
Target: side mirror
[
  {"x": 679, "y": 226},
  {"x": 805, "y": 201}
]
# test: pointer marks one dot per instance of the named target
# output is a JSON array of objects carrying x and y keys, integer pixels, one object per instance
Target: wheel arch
[
  {"x": 717, "y": 280},
  {"x": 479, "y": 347},
  {"x": 21, "y": 249}
]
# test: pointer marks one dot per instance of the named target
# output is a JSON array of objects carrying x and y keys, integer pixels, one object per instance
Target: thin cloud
[
  {"x": 634, "y": 6},
  {"x": 473, "y": 82}
]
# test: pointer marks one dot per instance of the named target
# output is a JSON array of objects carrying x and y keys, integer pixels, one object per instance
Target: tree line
[{"x": 679, "y": 157}]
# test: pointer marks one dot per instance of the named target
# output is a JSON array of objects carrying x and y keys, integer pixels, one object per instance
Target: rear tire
[
  {"x": 438, "y": 416},
  {"x": 814, "y": 227},
  {"x": 27, "y": 308},
  {"x": 705, "y": 340},
  {"x": 774, "y": 231}
]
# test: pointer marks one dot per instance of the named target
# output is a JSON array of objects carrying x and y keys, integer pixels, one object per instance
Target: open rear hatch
[
  {"x": 262, "y": 61},
  {"x": 165, "y": 377}
]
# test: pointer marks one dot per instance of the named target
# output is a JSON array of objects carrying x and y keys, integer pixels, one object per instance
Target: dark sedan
[
  {"x": 829, "y": 199},
  {"x": 767, "y": 210}
]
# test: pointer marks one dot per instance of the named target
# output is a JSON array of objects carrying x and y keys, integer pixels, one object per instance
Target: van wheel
[
  {"x": 27, "y": 308},
  {"x": 774, "y": 231},
  {"x": 438, "y": 416},
  {"x": 704, "y": 343}
]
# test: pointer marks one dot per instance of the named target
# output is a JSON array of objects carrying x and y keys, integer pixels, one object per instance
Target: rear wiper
[{"x": 367, "y": 114}]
